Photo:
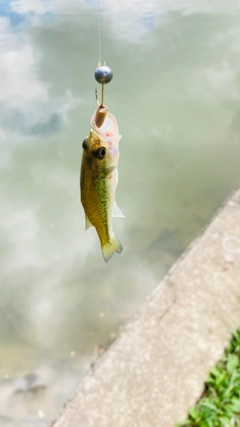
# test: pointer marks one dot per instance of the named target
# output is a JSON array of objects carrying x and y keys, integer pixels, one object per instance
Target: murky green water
[{"x": 175, "y": 94}]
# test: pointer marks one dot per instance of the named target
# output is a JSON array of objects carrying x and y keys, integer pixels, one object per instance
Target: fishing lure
[{"x": 99, "y": 172}]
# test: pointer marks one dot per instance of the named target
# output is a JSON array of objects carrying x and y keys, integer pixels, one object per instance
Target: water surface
[{"x": 175, "y": 94}]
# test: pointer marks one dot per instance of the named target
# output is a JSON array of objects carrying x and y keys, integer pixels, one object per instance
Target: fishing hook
[{"x": 96, "y": 95}]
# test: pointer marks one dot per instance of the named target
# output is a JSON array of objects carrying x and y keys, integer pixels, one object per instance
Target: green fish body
[{"x": 99, "y": 180}]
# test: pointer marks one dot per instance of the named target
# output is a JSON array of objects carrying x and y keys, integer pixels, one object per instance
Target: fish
[{"x": 99, "y": 180}]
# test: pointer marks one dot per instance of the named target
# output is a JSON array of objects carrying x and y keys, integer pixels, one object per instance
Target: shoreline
[{"x": 157, "y": 366}]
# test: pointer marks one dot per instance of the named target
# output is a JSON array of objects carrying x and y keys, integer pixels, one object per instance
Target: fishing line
[
  {"x": 99, "y": 34},
  {"x": 103, "y": 74}
]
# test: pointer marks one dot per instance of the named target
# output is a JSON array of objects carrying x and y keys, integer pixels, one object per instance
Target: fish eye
[
  {"x": 100, "y": 153},
  {"x": 84, "y": 144}
]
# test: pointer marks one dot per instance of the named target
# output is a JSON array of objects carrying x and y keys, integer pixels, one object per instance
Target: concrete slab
[{"x": 156, "y": 368}]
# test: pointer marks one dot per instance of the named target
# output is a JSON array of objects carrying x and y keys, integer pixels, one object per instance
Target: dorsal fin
[{"x": 88, "y": 223}]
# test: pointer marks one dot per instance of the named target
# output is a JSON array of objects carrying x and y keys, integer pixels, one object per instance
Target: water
[{"x": 175, "y": 94}]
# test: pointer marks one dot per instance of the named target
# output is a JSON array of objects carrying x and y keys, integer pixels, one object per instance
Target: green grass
[{"x": 220, "y": 404}]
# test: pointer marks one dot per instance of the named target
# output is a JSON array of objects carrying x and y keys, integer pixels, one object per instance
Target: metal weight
[{"x": 103, "y": 74}]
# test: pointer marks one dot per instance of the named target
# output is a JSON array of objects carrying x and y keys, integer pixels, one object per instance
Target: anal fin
[{"x": 117, "y": 213}]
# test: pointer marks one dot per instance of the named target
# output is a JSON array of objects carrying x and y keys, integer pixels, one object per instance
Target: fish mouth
[{"x": 109, "y": 129}]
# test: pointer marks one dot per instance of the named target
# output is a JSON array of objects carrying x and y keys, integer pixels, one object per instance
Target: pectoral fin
[
  {"x": 117, "y": 213},
  {"x": 88, "y": 223}
]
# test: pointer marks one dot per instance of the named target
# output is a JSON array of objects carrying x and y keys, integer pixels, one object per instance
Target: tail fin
[{"x": 112, "y": 246}]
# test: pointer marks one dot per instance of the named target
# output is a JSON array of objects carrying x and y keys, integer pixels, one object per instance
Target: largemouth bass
[{"x": 99, "y": 180}]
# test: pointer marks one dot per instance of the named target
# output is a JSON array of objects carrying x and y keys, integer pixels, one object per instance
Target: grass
[{"x": 220, "y": 403}]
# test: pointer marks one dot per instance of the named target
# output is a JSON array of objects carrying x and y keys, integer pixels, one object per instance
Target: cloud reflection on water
[
  {"x": 26, "y": 107},
  {"x": 174, "y": 99}
]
